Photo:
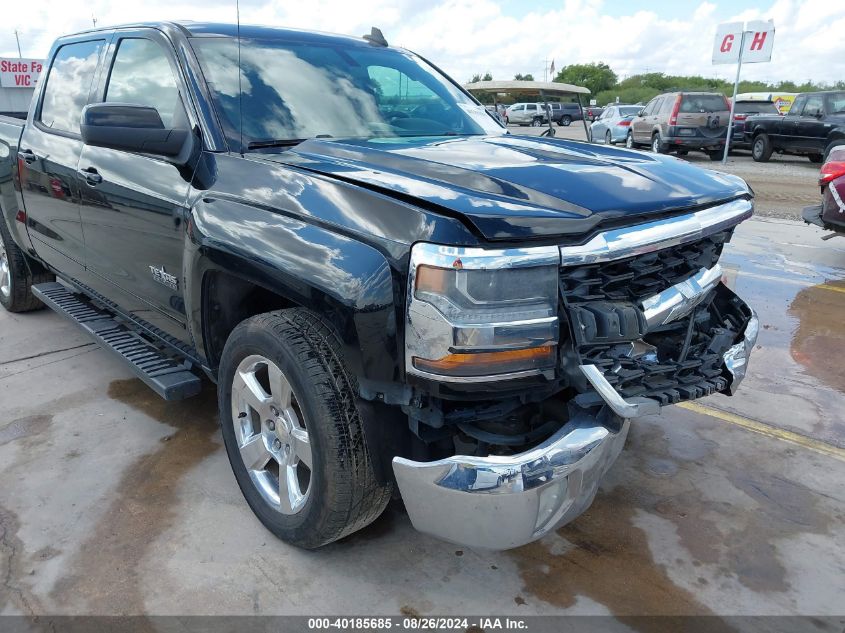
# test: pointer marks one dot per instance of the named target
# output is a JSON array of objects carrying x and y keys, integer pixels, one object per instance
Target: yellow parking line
[
  {"x": 829, "y": 287},
  {"x": 767, "y": 429}
]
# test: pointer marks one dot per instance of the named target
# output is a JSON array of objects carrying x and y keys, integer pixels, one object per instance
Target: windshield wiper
[
  {"x": 282, "y": 142},
  {"x": 279, "y": 142}
]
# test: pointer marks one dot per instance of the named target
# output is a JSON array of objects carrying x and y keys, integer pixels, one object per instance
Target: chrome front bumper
[{"x": 503, "y": 502}]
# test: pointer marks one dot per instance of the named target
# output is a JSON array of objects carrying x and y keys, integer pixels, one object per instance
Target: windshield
[
  {"x": 703, "y": 103},
  {"x": 299, "y": 90}
]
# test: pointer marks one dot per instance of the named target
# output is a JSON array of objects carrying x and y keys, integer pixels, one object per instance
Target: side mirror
[
  {"x": 133, "y": 128},
  {"x": 641, "y": 113}
]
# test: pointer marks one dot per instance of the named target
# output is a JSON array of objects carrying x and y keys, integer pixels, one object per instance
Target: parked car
[
  {"x": 564, "y": 113},
  {"x": 682, "y": 122},
  {"x": 813, "y": 126},
  {"x": 613, "y": 123},
  {"x": 591, "y": 113},
  {"x": 525, "y": 114},
  {"x": 495, "y": 112},
  {"x": 830, "y": 214},
  {"x": 743, "y": 110},
  {"x": 388, "y": 303}
]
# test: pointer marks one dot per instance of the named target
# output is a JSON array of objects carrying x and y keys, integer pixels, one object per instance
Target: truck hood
[{"x": 518, "y": 187}]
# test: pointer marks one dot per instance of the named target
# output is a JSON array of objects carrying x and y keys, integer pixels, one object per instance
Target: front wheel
[
  {"x": 293, "y": 432},
  {"x": 17, "y": 276},
  {"x": 716, "y": 154},
  {"x": 761, "y": 148},
  {"x": 565, "y": 120},
  {"x": 815, "y": 158}
]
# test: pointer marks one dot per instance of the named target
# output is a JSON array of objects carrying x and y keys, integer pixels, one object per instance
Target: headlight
[{"x": 476, "y": 314}]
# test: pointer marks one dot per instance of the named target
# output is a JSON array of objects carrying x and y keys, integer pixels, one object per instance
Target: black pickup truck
[
  {"x": 813, "y": 126},
  {"x": 392, "y": 293}
]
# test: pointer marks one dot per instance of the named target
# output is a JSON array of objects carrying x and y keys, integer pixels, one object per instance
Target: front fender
[{"x": 348, "y": 282}]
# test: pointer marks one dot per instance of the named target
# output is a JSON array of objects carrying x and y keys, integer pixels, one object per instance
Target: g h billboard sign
[{"x": 755, "y": 40}]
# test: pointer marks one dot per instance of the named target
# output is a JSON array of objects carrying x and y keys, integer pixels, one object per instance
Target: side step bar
[{"x": 169, "y": 378}]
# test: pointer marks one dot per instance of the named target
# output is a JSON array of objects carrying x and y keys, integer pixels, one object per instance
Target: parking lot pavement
[{"x": 114, "y": 502}]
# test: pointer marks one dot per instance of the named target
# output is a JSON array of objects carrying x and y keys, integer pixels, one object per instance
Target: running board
[{"x": 170, "y": 379}]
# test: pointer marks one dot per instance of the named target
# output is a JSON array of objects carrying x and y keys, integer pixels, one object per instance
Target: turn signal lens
[{"x": 489, "y": 363}]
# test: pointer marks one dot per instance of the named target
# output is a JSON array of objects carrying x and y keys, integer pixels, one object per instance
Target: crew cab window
[
  {"x": 797, "y": 106},
  {"x": 814, "y": 105},
  {"x": 141, "y": 75},
  {"x": 68, "y": 82},
  {"x": 836, "y": 103}
]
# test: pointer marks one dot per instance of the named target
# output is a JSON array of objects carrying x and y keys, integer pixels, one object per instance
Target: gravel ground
[{"x": 783, "y": 186}]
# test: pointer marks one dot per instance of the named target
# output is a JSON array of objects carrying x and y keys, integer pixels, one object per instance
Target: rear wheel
[
  {"x": 293, "y": 432},
  {"x": 761, "y": 148},
  {"x": 815, "y": 158},
  {"x": 715, "y": 154},
  {"x": 629, "y": 140},
  {"x": 565, "y": 120},
  {"x": 17, "y": 277},
  {"x": 608, "y": 138},
  {"x": 656, "y": 143},
  {"x": 536, "y": 122}
]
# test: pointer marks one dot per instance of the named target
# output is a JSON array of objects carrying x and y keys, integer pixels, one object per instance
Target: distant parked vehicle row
[
  {"x": 534, "y": 114},
  {"x": 743, "y": 110},
  {"x": 814, "y": 125},
  {"x": 612, "y": 124},
  {"x": 681, "y": 122},
  {"x": 591, "y": 113}
]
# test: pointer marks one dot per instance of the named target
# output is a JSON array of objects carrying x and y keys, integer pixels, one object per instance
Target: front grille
[
  {"x": 685, "y": 357},
  {"x": 634, "y": 278}
]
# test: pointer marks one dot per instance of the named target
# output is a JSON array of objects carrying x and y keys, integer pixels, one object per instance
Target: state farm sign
[
  {"x": 20, "y": 73},
  {"x": 759, "y": 38}
]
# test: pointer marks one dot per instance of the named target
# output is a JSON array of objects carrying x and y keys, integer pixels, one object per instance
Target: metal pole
[
  {"x": 733, "y": 101},
  {"x": 551, "y": 130},
  {"x": 583, "y": 118},
  {"x": 18, "y": 40}
]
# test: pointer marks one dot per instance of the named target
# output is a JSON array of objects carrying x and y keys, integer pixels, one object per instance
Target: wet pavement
[{"x": 115, "y": 502}]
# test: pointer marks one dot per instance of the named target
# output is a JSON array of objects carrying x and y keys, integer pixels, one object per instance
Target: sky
[{"x": 504, "y": 37}]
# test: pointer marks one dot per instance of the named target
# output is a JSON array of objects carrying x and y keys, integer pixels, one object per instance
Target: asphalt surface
[{"x": 115, "y": 502}]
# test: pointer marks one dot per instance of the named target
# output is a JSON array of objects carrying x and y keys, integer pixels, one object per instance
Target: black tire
[
  {"x": 608, "y": 138},
  {"x": 20, "y": 275},
  {"x": 761, "y": 148},
  {"x": 815, "y": 158},
  {"x": 656, "y": 143},
  {"x": 565, "y": 120},
  {"x": 682, "y": 152},
  {"x": 715, "y": 154},
  {"x": 344, "y": 494}
]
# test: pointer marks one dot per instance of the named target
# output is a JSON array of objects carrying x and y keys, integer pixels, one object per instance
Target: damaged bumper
[{"x": 504, "y": 502}]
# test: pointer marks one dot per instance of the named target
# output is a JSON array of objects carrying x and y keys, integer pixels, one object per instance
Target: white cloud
[{"x": 468, "y": 36}]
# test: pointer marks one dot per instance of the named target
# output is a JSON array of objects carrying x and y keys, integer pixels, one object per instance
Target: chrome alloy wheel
[
  {"x": 5, "y": 273},
  {"x": 271, "y": 434}
]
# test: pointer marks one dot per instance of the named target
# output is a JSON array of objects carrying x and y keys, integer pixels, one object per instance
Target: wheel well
[{"x": 228, "y": 300}]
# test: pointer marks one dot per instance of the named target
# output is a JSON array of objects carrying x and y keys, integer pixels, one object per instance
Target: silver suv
[{"x": 525, "y": 114}]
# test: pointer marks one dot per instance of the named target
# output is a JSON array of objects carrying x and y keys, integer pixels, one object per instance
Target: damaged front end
[{"x": 643, "y": 321}]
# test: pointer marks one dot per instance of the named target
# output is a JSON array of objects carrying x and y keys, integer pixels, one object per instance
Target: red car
[{"x": 830, "y": 214}]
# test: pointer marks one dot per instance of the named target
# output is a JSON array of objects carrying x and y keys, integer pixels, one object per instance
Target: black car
[{"x": 743, "y": 110}]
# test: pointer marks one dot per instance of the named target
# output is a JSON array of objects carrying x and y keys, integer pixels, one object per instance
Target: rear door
[
  {"x": 708, "y": 114},
  {"x": 133, "y": 211},
  {"x": 49, "y": 153}
]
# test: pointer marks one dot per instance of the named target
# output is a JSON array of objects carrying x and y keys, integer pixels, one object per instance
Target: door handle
[
  {"x": 91, "y": 176},
  {"x": 28, "y": 156}
]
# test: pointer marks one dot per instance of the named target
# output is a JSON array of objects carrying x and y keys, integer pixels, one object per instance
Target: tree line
[{"x": 605, "y": 86}]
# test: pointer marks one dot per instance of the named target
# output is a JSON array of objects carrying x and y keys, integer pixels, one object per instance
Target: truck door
[
  {"x": 811, "y": 129},
  {"x": 133, "y": 205},
  {"x": 787, "y": 127},
  {"x": 49, "y": 153}
]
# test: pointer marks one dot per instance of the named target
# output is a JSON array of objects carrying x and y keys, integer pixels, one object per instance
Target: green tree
[
  {"x": 595, "y": 76},
  {"x": 525, "y": 77},
  {"x": 479, "y": 77}
]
